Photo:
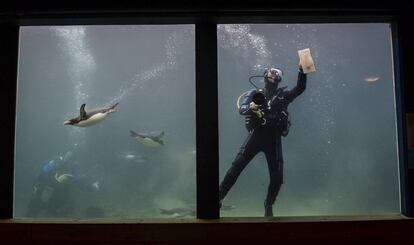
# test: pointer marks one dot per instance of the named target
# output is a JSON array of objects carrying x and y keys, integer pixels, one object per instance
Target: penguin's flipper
[
  {"x": 133, "y": 134},
  {"x": 82, "y": 112}
]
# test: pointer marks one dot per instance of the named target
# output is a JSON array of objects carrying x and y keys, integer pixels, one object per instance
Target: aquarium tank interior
[
  {"x": 340, "y": 156},
  {"x": 129, "y": 152},
  {"x": 106, "y": 128}
]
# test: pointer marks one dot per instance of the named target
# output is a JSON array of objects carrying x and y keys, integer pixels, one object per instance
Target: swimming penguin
[
  {"x": 148, "y": 139},
  {"x": 92, "y": 117}
]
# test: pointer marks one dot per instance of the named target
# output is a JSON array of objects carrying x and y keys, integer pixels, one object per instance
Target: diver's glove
[
  {"x": 95, "y": 185},
  {"x": 256, "y": 110},
  {"x": 259, "y": 113},
  {"x": 35, "y": 190}
]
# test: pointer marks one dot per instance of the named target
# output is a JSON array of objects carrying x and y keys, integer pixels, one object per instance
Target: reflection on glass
[
  {"x": 101, "y": 130},
  {"x": 340, "y": 154}
]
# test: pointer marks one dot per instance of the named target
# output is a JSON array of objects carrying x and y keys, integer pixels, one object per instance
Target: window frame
[{"x": 207, "y": 170}]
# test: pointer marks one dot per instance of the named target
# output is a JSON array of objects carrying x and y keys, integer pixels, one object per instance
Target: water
[
  {"x": 150, "y": 71},
  {"x": 340, "y": 155}
]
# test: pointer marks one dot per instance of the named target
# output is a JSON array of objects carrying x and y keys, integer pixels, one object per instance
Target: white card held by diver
[{"x": 305, "y": 59}]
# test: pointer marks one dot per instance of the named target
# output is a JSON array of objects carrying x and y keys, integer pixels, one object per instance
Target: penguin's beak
[{"x": 67, "y": 122}]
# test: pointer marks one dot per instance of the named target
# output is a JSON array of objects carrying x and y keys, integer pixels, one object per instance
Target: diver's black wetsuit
[{"x": 266, "y": 138}]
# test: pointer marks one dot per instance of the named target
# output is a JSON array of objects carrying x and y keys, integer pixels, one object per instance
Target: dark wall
[
  {"x": 379, "y": 232},
  {"x": 255, "y": 231}
]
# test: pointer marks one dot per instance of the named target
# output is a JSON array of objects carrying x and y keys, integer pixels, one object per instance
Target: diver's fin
[
  {"x": 133, "y": 134},
  {"x": 82, "y": 112}
]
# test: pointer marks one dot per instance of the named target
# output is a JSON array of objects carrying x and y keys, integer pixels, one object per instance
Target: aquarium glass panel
[
  {"x": 340, "y": 154},
  {"x": 105, "y": 122}
]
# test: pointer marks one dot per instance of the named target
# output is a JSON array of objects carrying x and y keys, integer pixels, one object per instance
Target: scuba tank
[{"x": 258, "y": 98}]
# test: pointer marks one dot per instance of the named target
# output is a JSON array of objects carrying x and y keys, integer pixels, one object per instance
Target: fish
[
  {"x": 371, "y": 79},
  {"x": 178, "y": 212}
]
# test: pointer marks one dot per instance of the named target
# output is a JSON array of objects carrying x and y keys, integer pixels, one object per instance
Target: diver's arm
[
  {"x": 84, "y": 183},
  {"x": 299, "y": 88},
  {"x": 245, "y": 105}
]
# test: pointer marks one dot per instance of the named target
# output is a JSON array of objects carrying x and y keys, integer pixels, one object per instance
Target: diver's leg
[
  {"x": 35, "y": 204},
  {"x": 69, "y": 207},
  {"x": 275, "y": 166},
  {"x": 247, "y": 151}
]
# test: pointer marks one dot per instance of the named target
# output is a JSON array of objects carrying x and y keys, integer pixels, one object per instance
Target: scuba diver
[
  {"x": 267, "y": 119},
  {"x": 51, "y": 196}
]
